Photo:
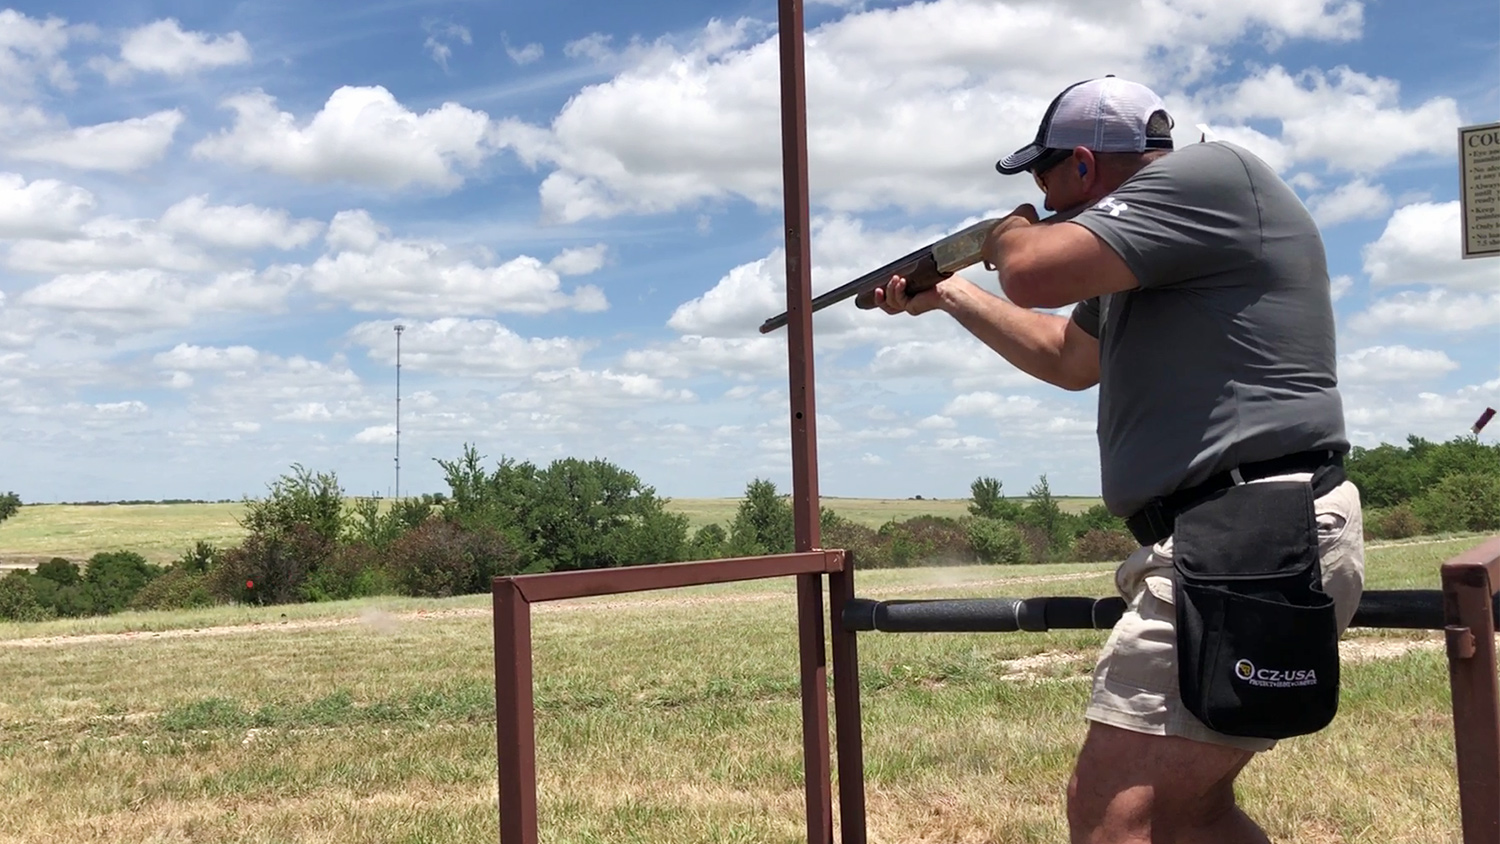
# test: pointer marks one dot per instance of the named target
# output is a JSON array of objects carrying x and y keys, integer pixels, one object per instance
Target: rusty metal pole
[
  {"x": 1469, "y": 582},
  {"x": 846, "y": 713},
  {"x": 814, "y": 658},
  {"x": 515, "y": 719}
]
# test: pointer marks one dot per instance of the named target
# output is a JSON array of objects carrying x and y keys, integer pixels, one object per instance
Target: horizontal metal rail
[{"x": 1409, "y": 609}]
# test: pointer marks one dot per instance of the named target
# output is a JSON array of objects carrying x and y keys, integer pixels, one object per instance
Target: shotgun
[{"x": 922, "y": 269}]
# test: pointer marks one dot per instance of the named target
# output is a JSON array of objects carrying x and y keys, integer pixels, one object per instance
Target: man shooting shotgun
[{"x": 1202, "y": 310}]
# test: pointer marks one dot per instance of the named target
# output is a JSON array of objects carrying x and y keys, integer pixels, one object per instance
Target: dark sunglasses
[{"x": 1049, "y": 159}]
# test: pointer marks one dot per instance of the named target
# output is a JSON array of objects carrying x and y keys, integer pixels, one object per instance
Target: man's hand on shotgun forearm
[{"x": 993, "y": 249}]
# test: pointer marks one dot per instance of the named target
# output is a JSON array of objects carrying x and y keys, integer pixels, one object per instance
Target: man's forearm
[{"x": 1032, "y": 342}]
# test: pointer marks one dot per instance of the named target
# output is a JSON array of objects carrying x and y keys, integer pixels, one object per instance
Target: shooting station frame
[{"x": 1470, "y": 582}]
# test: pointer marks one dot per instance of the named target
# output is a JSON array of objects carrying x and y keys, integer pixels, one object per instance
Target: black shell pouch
[{"x": 1257, "y": 637}]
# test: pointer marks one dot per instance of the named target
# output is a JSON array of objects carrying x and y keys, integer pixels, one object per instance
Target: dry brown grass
[{"x": 666, "y": 718}]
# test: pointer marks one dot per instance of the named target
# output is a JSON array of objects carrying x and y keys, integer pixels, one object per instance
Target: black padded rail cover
[{"x": 1410, "y": 609}]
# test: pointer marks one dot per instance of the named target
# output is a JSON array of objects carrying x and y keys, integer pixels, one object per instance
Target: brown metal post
[
  {"x": 848, "y": 727},
  {"x": 515, "y": 719},
  {"x": 803, "y": 415},
  {"x": 1469, "y": 582}
]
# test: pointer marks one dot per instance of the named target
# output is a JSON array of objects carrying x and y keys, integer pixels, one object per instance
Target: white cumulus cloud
[
  {"x": 30, "y": 51},
  {"x": 121, "y": 146},
  {"x": 131, "y": 301},
  {"x": 164, "y": 47},
  {"x": 245, "y": 227},
  {"x": 1438, "y": 311},
  {"x": 362, "y": 135},
  {"x": 41, "y": 208},
  {"x": 1394, "y": 363},
  {"x": 1422, "y": 244},
  {"x": 688, "y": 122},
  {"x": 473, "y": 347},
  {"x": 1316, "y": 110},
  {"x": 371, "y": 272},
  {"x": 1356, "y": 200}
]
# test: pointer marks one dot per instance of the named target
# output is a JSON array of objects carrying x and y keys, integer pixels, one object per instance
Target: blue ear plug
[{"x": 1083, "y": 169}]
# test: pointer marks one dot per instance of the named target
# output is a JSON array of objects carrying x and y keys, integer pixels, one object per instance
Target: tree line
[{"x": 306, "y": 541}]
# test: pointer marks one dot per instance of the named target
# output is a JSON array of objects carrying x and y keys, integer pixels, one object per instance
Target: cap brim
[{"x": 1021, "y": 159}]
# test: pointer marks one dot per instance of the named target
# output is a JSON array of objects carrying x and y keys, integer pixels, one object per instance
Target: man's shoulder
[
  {"x": 1207, "y": 157},
  {"x": 1209, "y": 173}
]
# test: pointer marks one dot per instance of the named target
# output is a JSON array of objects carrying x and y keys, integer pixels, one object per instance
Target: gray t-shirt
[{"x": 1225, "y": 353}]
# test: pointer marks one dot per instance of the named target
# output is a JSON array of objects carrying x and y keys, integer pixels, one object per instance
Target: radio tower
[{"x": 399, "y": 328}]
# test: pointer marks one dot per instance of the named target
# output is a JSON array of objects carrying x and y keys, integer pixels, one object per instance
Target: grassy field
[
  {"x": 669, "y": 718},
  {"x": 162, "y": 532}
]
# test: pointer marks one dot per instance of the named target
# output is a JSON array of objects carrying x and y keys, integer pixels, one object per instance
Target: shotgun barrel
[{"x": 922, "y": 269}]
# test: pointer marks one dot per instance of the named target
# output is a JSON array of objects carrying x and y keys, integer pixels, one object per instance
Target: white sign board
[{"x": 1479, "y": 168}]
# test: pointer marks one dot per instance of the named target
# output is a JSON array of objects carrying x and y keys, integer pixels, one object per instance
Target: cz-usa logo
[{"x": 1274, "y": 678}]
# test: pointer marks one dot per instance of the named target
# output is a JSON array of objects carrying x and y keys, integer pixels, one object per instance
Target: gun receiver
[{"x": 922, "y": 269}]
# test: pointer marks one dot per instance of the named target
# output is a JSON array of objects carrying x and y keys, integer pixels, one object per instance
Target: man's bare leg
[{"x": 1134, "y": 788}]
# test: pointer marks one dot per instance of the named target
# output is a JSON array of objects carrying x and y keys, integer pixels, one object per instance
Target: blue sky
[{"x": 211, "y": 216}]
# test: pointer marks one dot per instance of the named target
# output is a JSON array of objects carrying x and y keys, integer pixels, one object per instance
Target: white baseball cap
[{"x": 1108, "y": 114}]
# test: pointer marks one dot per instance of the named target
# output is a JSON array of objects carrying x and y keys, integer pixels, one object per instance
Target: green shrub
[
  {"x": 987, "y": 500},
  {"x": 299, "y": 499},
  {"x": 763, "y": 523},
  {"x": 202, "y": 558},
  {"x": 708, "y": 542},
  {"x": 116, "y": 576},
  {"x": 1398, "y": 522},
  {"x": 1104, "y": 546},
  {"x": 1098, "y": 517},
  {"x": 870, "y": 549},
  {"x": 60, "y": 571},
  {"x": 1461, "y": 501},
  {"x": 179, "y": 589},
  {"x": 439, "y": 558},
  {"x": 927, "y": 540},
  {"x": 1040, "y": 546},
  {"x": 368, "y": 523},
  {"x": 18, "y": 598},
  {"x": 355, "y": 569},
  {"x": 270, "y": 567},
  {"x": 997, "y": 542}
]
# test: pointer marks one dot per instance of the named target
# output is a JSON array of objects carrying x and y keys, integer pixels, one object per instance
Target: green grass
[
  {"x": 162, "y": 532},
  {"x": 158, "y": 532},
  {"x": 667, "y": 717}
]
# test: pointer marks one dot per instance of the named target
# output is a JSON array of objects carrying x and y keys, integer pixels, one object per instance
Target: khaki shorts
[{"x": 1135, "y": 682}]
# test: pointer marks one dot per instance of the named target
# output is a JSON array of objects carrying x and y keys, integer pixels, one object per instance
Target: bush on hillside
[
  {"x": 1099, "y": 546},
  {"x": 270, "y": 567},
  {"x": 870, "y": 549},
  {"x": 355, "y": 569},
  {"x": 438, "y": 559},
  {"x": 10, "y": 504},
  {"x": 303, "y": 500},
  {"x": 59, "y": 571},
  {"x": 178, "y": 589},
  {"x": 763, "y": 522},
  {"x": 18, "y": 598},
  {"x": 996, "y": 541},
  {"x": 1459, "y": 502},
  {"x": 115, "y": 577},
  {"x": 708, "y": 543},
  {"x": 1398, "y": 522},
  {"x": 927, "y": 540}
]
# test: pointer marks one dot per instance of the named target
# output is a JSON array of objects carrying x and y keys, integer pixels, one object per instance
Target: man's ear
[{"x": 1086, "y": 162}]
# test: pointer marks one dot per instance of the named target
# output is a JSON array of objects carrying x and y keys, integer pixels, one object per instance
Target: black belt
[{"x": 1154, "y": 522}]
